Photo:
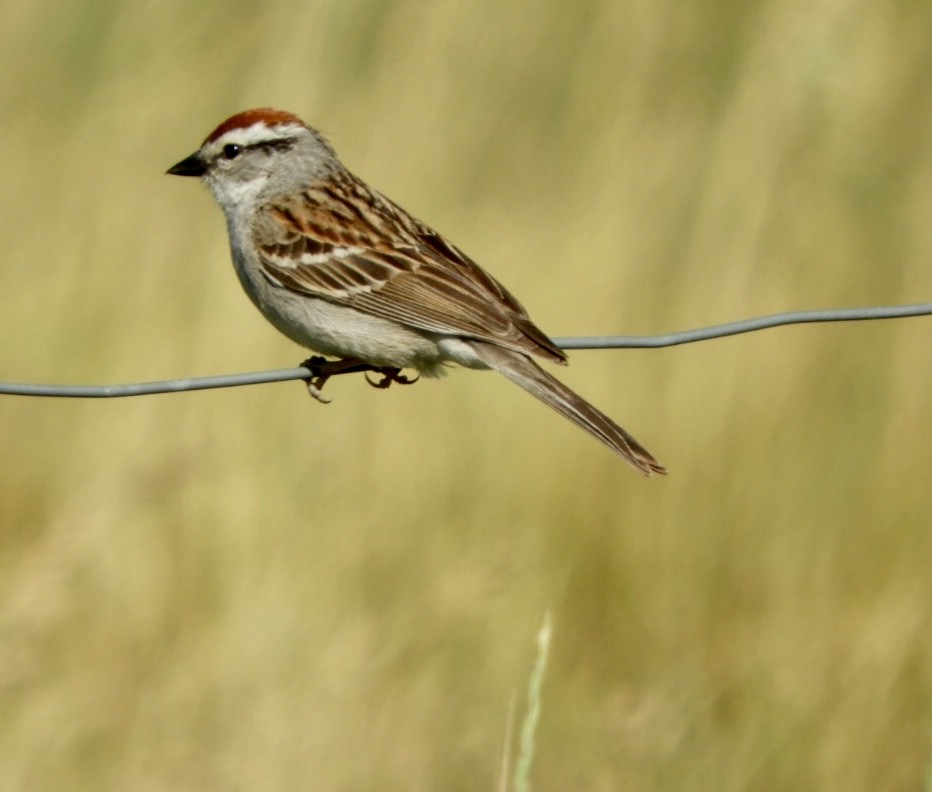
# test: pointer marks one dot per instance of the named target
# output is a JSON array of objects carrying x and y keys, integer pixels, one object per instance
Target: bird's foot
[
  {"x": 390, "y": 375},
  {"x": 322, "y": 369}
]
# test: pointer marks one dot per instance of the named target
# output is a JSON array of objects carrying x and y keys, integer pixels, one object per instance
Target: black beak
[{"x": 190, "y": 166}]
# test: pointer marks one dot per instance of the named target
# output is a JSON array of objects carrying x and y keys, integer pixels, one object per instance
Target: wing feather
[{"x": 350, "y": 246}]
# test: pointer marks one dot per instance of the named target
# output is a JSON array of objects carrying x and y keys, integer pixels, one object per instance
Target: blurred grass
[{"x": 245, "y": 590}]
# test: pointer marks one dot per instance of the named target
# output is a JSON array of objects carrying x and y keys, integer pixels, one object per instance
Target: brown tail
[{"x": 525, "y": 372}]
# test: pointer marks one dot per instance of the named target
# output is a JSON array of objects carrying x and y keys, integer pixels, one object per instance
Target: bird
[{"x": 345, "y": 272}]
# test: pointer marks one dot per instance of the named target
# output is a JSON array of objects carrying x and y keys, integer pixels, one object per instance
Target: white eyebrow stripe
[{"x": 257, "y": 133}]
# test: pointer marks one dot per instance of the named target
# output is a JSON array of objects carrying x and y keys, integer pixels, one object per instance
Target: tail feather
[{"x": 525, "y": 372}]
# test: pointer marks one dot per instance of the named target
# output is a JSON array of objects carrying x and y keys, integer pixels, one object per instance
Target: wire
[
  {"x": 745, "y": 326},
  {"x": 584, "y": 342}
]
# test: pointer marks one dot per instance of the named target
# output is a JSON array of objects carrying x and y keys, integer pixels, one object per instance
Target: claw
[
  {"x": 314, "y": 387},
  {"x": 382, "y": 383},
  {"x": 317, "y": 365},
  {"x": 390, "y": 375}
]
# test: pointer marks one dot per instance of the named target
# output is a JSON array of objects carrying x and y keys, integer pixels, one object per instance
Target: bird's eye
[{"x": 231, "y": 151}]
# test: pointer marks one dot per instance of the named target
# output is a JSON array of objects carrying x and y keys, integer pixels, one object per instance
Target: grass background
[{"x": 244, "y": 590}]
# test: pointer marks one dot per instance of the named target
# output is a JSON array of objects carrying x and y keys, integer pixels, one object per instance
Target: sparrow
[{"x": 347, "y": 273}]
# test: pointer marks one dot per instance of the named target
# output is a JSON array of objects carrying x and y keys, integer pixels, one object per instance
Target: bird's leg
[
  {"x": 322, "y": 369},
  {"x": 390, "y": 375}
]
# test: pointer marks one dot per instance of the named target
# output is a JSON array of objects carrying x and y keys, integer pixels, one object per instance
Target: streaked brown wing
[{"x": 357, "y": 248}]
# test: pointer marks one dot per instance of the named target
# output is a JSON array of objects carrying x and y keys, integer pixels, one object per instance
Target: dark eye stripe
[
  {"x": 232, "y": 150},
  {"x": 275, "y": 145}
]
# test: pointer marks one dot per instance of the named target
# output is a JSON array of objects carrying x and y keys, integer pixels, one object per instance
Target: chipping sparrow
[{"x": 344, "y": 271}]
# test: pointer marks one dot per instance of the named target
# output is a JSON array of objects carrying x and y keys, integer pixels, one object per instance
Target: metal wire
[
  {"x": 584, "y": 342},
  {"x": 746, "y": 326}
]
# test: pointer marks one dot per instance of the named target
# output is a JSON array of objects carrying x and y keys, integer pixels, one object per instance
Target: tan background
[{"x": 245, "y": 590}]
